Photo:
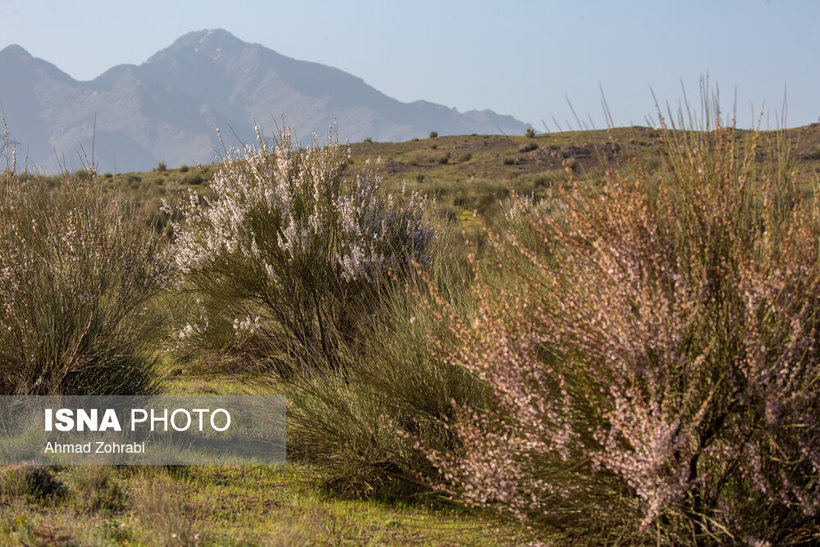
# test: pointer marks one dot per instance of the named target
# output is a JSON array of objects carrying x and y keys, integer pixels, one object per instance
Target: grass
[
  {"x": 480, "y": 171},
  {"x": 228, "y": 506}
]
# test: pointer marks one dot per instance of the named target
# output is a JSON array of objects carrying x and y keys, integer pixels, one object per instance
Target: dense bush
[
  {"x": 288, "y": 259},
  {"x": 30, "y": 482},
  {"x": 193, "y": 179},
  {"x": 653, "y": 358},
  {"x": 77, "y": 274},
  {"x": 363, "y": 422}
]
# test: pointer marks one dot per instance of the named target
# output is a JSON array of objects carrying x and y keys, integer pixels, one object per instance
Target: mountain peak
[
  {"x": 209, "y": 44},
  {"x": 17, "y": 61},
  {"x": 209, "y": 40},
  {"x": 15, "y": 52},
  {"x": 167, "y": 108}
]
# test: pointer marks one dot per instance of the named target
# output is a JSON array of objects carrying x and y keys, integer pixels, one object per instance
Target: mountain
[{"x": 168, "y": 108}]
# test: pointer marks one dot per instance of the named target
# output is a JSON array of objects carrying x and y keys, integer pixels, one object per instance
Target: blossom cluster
[
  {"x": 311, "y": 211},
  {"x": 653, "y": 360},
  {"x": 291, "y": 241}
]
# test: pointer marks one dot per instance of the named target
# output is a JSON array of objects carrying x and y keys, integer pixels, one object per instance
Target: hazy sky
[{"x": 521, "y": 57}]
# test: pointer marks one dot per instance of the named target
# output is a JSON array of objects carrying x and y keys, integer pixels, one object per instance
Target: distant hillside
[
  {"x": 167, "y": 109},
  {"x": 470, "y": 174}
]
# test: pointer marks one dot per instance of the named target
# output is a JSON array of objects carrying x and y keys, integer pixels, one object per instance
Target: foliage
[
  {"x": 219, "y": 505},
  {"x": 289, "y": 257},
  {"x": 29, "y": 482},
  {"x": 362, "y": 422},
  {"x": 653, "y": 358},
  {"x": 77, "y": 275}
]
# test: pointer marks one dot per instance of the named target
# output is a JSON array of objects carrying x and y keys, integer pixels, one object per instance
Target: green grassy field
[
  {"x": 222, "y": 505},
  {"x": 213, "y": 505}
]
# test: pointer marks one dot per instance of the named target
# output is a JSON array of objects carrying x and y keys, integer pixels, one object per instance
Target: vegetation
[
  {"x": 217, "y": 505},
  {"x": 77, "y": 277},
  {"x": 362, "y": 422},
  {"x": 290, "y": 257},
  {"x": 649, "y": 344},
  {"x": 604, "y": 337}
]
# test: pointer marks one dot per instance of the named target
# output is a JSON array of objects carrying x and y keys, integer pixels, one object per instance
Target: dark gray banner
[{"x": 158, "y": 430}]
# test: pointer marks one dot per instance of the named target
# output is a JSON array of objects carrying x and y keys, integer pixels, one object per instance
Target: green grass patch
[{"x": 228, "y": 506}]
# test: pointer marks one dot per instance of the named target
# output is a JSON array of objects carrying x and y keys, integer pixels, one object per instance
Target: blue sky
[{"x": 523, "y": 58}]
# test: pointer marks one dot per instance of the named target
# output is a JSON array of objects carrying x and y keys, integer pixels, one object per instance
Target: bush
[
  {"x": 654, "y": 360},
  {"x": 289, "y": 258},
  {"x": 571, "y": 165},
  {"x": 362, "y": 422},
  {"x": 530, "y": 133},
  {"x": 193, "y": 179},
  {"x": 77, "y": 274},
  {"x": 31, "y": 482},
  {"x": 433, "y": 134}
]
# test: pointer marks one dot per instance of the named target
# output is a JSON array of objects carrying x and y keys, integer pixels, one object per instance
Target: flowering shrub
[
  {"x": 289, "y": 255},
  {"x": 654, "y": 373},
  {"x": 77, "y": 276}
]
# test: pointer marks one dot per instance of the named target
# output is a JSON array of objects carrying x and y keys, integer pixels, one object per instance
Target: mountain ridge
[{"x": 169, "y": 107}]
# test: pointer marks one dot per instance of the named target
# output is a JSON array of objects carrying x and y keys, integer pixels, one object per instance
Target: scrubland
[{"x": 593, "y": 337}]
